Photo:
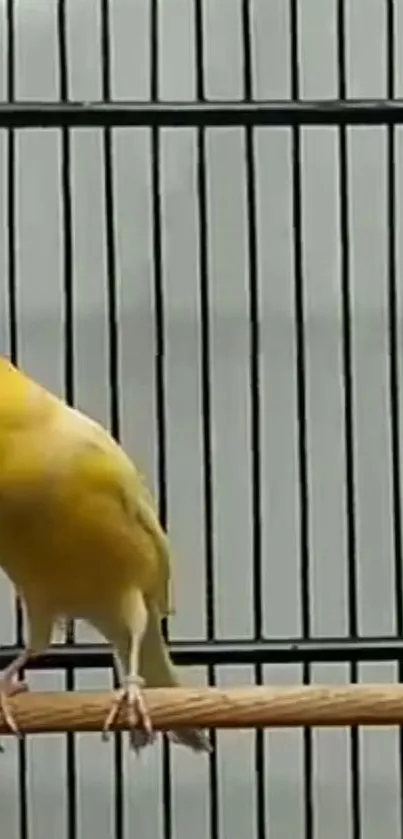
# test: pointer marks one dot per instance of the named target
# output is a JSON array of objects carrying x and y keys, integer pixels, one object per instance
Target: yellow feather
[{"x": 79, "y": 530}]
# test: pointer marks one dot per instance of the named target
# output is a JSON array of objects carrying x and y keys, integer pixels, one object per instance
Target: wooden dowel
[{"x": 248, "y": 707}]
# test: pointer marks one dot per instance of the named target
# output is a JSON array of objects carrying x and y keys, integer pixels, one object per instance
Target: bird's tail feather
[{"x": 157, "y": 670}]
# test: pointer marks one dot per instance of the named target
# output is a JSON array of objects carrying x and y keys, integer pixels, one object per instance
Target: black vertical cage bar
[
  {"x": 347, "y": 352},
  {"x": 254, "y": 382},
  {"x": 69, "y": 360},
  {"x": 206, "y": 399},
  {"x": 24, "y": 831},
  {"x": 393, "y": 347},
  {"x": 160, "y": 390},
  {"x": 113, "y": 345},
  {"x": 301, "y": 411}
]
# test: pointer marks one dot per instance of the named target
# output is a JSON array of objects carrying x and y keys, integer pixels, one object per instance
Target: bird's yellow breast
[
  {"x": 77, "y": 524},
  {"x": 67, "y": 538}
]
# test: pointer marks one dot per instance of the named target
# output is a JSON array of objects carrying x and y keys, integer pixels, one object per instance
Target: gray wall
[{"x": 39, "y": 298}]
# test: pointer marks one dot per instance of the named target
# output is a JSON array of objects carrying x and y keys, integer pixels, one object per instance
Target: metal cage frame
[{"x": 249, "y": 113}]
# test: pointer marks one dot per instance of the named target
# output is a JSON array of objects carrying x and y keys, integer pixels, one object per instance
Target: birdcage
[{"x": 215, "y": 274}]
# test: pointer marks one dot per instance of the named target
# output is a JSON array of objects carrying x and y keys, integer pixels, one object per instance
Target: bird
[{"x": 80, "y": 538}]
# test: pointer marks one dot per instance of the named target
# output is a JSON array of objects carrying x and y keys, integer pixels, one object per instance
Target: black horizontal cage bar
[
  {"x": 174, "y": 114},
  {"x": 228, "y": 652}
]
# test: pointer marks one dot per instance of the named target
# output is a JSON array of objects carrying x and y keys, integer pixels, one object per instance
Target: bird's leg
[
  {"x": 139, "y": 737},
  {"x": 139, "y": 722},
  {"x": 9, "y": 687},
  {"x": 40, "y": 623},
  {"x": 127, "y": 644}
]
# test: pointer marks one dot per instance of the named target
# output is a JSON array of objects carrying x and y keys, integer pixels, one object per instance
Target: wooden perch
[{"x": 248, "y": 707}]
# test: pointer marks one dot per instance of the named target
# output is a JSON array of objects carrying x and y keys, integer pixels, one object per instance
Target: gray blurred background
[{"x": 39, "y": 258}]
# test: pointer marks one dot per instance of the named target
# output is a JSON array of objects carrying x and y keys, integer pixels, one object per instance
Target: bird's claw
[
  {"x": 8, "y": 689},
  {"x": 140, "y": 727},
  {"x": 139, "y": 738}
]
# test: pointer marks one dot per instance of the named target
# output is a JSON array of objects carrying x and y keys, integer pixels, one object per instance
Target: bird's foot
[
  {"x": 140, "y": 727},
  {"x": 9, "y": 688}
]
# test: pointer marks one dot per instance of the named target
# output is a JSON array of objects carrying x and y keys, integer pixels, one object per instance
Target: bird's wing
[{"x": 130, "y": 485}]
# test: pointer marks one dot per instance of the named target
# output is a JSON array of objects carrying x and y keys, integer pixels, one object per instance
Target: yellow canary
[{"x": 80, "y": 538}]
